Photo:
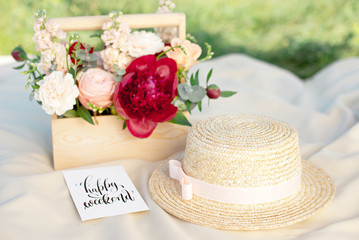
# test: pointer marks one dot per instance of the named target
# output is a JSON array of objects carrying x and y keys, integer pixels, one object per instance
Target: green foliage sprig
[{"x": 33, "y": 73}]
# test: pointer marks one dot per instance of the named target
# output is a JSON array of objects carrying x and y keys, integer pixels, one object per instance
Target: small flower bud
[
  {"x": 19, "y": 54},
  {"x": 213, "y": 91}
]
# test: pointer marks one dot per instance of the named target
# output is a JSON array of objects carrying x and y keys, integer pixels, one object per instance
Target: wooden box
[{"x": 77, "y": 143}]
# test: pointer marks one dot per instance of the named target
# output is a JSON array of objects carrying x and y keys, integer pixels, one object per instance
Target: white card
[{"x": 103, "y": 192}]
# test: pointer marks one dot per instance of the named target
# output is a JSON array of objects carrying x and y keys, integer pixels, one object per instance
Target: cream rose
[
  {"x": 184, "y": 60},
  {"x": 96, "y": 86}
]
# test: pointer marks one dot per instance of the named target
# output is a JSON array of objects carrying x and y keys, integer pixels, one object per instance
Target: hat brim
[{"x": 316, "y": 193}]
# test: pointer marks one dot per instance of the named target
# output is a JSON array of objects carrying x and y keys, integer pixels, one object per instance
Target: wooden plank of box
[{"x": 77, "y": 143}]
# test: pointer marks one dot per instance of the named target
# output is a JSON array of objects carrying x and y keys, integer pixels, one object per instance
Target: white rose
[
  {"x": 143, "y": 43},
  {"x": 57, "y": 93}
]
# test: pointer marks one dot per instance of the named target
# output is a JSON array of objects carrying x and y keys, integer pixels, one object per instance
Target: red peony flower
[
  {"x": 145, "y": 93},
  {"x": 72, "y": 49}
]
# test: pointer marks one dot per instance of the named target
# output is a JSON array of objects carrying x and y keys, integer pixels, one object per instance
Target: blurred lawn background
[{"x": 302, "y": 36}]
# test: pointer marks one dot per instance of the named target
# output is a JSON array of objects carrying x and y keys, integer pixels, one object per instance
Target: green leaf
[
  {"x": 19, "y": 67},
  {"x": 31, "y": 96},
  {"x": 71, "y": 113},
  {"x": 226, "y": 94},
  {"x": 124, "y": 124},
  {"x": 197, "y": 94},
  {"x": 189, "y": 106},
  {"x": 194, "y": 80},
  {"x": 34, "y": 87},
  {"x": 72, "y": 72},
  {"x": 27, "y": 72},
  {"x": 180, "y": 119},
  {"x": 97, "y": 34},
  {"x": 200, "y": 106},
  {"x": 179, "y": 103},
  {"x": 191, "y": 38},
  {"x": 209, "y": 76},
  {"x": 27, "y": 85},
  {"x": 85, "y": 114}
]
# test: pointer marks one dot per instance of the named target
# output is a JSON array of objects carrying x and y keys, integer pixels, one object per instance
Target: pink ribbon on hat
[{"x": 238, "y": 195}]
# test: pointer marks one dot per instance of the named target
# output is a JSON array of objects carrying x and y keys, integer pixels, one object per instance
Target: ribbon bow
[{"x": 177, "y": 173}]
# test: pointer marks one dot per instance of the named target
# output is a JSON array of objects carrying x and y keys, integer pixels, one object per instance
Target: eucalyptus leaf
[
  {"x": 87, "y": 57},
  {"x": 92, "y": 58},
  {"x": 184, "y": 91},
  {"x": 120, "y": 72},
  {"x": 190, "y": 106},
  {"x": 81, "y": 55},
  {"x": 115, "y": 67},
  {"x": 180, "y": 119},
  {"x": 118, "y": 78},
  {"x": 71, "y": 113},
  {"x": 226, "y": 94},
  {"x": 197, "y": 94},
  {"x": 93, "y": 64},
  {"x": 85, "y": 114}
]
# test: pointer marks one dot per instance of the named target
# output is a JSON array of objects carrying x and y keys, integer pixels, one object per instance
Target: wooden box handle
[{"x": 135, "y": 21}]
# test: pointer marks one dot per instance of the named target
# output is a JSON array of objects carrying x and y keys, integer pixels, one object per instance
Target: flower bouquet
[{"x": 139, "y": 78}]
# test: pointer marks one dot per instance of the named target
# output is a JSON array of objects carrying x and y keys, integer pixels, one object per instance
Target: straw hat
[{"x": 241, "y": 172}]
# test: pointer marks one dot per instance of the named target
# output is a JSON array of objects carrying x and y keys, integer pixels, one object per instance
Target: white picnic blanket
[{"x": 36, "y": 204}]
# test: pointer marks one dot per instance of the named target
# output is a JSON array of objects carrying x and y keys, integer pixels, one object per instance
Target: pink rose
[
  {"x": 96, "y": 86},
  {"x": 145, "y": 93},
  {"x": 184, "y": 60}
]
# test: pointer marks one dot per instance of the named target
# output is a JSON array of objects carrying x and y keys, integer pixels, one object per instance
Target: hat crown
[{"x": 242, "y": 151}]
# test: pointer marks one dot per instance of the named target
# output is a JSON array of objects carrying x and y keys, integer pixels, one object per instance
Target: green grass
[{"x": 302, "y": 36}]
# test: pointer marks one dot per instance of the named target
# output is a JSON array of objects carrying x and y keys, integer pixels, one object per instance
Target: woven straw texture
[{"x": 243, "y": 151}]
